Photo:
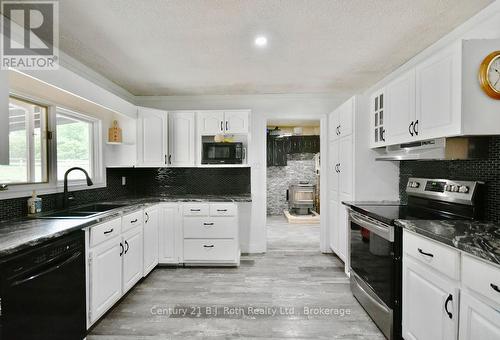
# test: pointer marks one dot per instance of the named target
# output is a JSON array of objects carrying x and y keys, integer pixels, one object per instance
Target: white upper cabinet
[
  {"x": 181, "y": 138},
  {"x": 438, "y": 95},
  {"x": 346, "y": 116},
  {"x": 236, "y": 121},
  {"x": 152, "y": 137},
  {"x": 402, "y": 124},
  {"x": 377, "y": 118},
  {"x": 226, "y": 122},
  {"x": 340, "y": 121},
  {"x": 211, "y": 122},
  {"x": 334, "y": 125}
]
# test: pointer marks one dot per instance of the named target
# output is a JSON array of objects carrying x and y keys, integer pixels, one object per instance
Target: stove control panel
[{"x": 443, "y": 189}]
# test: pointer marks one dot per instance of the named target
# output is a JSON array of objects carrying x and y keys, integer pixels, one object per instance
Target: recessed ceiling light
[{"x": 260, "y": 41}]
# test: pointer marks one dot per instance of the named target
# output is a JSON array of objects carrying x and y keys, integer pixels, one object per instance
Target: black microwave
[{"x": 222, "y": 153}]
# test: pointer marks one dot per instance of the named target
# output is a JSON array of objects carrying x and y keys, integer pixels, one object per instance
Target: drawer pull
[
  {"x": 448, "y": 300},
  {"x": 195, "y": 209},
  {"x": 495, "y": 287},
  {"x": 208, "y": 224},
  {"x": 134, "y": 221},
  {"x": 109, "y": 231},
  {"x": 222, "y": 210},
  {"x": 210, "y": 246},
  {"x": 424, "y": 253}
]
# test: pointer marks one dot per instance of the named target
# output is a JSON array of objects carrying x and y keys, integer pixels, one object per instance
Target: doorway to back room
[{"x": 293, "y": 184}]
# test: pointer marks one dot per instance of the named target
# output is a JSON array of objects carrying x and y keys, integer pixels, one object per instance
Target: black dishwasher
[{"x": 43, "y": 292}]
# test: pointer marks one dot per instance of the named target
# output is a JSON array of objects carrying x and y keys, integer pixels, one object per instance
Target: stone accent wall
[{"x": 300, "y": 168}]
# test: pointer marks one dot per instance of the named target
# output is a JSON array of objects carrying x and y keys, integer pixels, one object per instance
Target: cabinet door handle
[
  {"x": 495, "y": 287},
  {"x": 134, "y": 221},
  {"x": 382, "y": 135},
  {"x": 221, "y": 126},
  {"x": 340, "y": 130},
  {"x": 410, "y": 129},
  {"x": 166, "y": 159},
  {"x": 109, "y": 231},
  {"x": 415, "y": 127},
  {"x": 448, "y": 300},
  {"x": 338, "y": 168},
  {"x": 424, "y": 253},
  {"x": 169, "y": 159},
  {"x": 210, "y": 246},
  {"x": 227, "y": 126},
  {"x": 208, "y": 224},
  {"x": 121, "y": 249},
  {"x": 126, "y": 250},
  {"x": 147, "y": 217}
]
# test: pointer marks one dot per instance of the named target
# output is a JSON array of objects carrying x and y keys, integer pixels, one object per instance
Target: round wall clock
[{"x": 489, "y": 75}]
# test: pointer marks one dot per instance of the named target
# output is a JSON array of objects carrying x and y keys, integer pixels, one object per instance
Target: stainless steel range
[
  {"x": 301, "y": 198},
  {"x": 376, "y": 243}
]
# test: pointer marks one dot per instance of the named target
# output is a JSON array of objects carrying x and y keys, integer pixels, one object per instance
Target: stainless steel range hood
[{"x": 451, "y": 148}]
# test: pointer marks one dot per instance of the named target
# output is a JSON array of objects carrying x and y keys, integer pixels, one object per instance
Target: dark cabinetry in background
[{"x": 279, "y": 147}]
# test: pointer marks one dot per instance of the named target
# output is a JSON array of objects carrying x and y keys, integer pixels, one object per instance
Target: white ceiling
[{"x": 190, "y": 47}]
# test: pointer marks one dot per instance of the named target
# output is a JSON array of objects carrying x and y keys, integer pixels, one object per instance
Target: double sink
[{"x": 87, "y": 211}]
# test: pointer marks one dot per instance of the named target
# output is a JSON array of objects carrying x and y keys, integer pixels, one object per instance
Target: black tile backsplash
[
  {"x": 486, "y": 170},
  {"x": 145, "y": 181}
]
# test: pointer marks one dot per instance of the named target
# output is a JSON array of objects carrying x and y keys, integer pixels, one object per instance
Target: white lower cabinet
[
  {"x": 430, "y": 303},
  {"x": 105, "y": 284},
  {"x": 448, "y": 294},
  {"x": 170, "y": 234},
  {"x": 478, "y": 320},
  {"x": 213, "y": 238},
  {"x": 151, "y": 242},
  {"x": 132, "y": 258}
]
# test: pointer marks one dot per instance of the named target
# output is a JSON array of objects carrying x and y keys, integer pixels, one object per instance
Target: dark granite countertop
[
  {"x": 481, "y": 239},
  {"x": 19, "y": 234}
]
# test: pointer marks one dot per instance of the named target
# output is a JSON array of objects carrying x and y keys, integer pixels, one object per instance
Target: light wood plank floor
[{"x": 292, "y": 278}]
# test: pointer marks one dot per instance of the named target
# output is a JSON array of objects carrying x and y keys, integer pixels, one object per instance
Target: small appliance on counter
[
  {"x": 376, "y": 243},
  {"x": 223, "y": 153}
]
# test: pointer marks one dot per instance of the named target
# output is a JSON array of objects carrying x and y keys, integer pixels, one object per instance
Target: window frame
[
  {"x": 96, "y": 147},
  {"x": 29, "y": 142},
  {"x": 53, "y": 185}
]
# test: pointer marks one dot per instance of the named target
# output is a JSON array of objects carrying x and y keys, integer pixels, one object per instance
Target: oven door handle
[{"x": 386, "y": 233}]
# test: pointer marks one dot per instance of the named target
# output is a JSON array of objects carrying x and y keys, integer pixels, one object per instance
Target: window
[
  {"x": 74, "y": 145},
  {"x": 23, "y": 146},
  {"x": 39, "y": 143}
]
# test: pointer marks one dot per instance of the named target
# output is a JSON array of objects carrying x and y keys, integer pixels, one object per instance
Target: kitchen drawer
[
  {"x": 209, "y": 250},
  {"x": 215, "y": 227},
  {"x": 131, "y": 220},
  {"x": 437, "y": 256},
  {"x": 481, "y": 277},
  {"x": 222, "y": 209},
  {"x": 105, "y": 231},
  {"x": 195, "y": 209}
]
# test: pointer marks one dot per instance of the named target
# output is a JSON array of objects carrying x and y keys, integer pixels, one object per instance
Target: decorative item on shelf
[
  {"x": 489, "y": 75},
  {"x": 219, "y": 138},
  {"x": 115, "y": 133}
]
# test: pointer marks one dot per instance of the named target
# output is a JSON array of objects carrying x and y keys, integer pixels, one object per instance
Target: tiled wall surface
[
  {"x": 161, "y": 181},
  {"x": 300, "y": 168},
  {"x": 486, "y": 170}
]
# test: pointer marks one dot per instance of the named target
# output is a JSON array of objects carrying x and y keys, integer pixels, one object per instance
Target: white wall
[{"x": 264, "y": 107}]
